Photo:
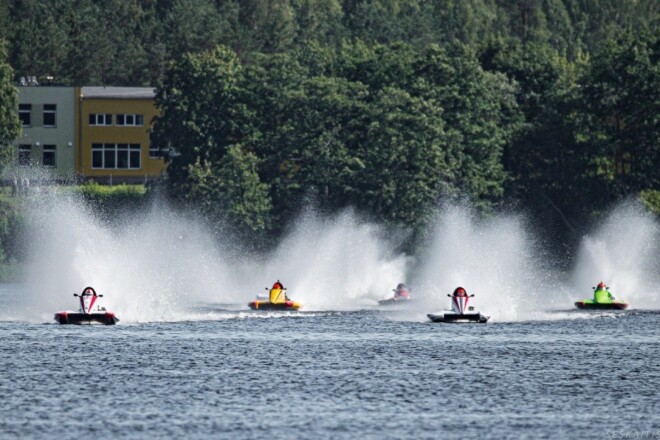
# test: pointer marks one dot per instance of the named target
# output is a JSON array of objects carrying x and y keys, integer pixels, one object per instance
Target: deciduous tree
[{"x": 9, "y": 123}]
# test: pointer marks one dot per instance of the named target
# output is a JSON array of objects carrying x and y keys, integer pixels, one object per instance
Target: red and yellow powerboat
[{"x": 277, "y": 300}]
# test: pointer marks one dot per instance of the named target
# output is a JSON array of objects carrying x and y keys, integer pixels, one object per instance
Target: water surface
[{"x": 345, "y": 375}]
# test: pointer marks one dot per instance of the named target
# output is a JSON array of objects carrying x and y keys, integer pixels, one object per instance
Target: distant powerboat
[
  {"x": 602, "y": 300},
  {"x": 90, "y": 312},
  {"x": 401, "y": 296},
  {"x": 277, "y": 300},
  {"x": 460, "y": 312}
]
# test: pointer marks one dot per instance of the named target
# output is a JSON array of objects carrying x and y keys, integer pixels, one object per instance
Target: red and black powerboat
[{"x": 90, "y": 312}]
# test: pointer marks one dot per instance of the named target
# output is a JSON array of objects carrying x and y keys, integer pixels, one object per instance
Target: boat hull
[
  {"x": 392, "y": 302},
  {"x": 76, "y": 318},
  {"x": 456, "y": 318},
  {"x": 590, "y": 305},
  {"x": 266, "y": 305}
]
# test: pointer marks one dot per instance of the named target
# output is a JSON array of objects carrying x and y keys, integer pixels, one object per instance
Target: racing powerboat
[
  {"x": 401, "y": 296},
  {"x": 277, "y": 300},
  {"x": 90, "y": 311},
  {"x": 602, "y": 300},
  {"x": 460, "y": 311}
]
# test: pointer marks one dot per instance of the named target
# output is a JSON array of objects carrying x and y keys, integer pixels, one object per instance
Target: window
[
  {"x": 97, "y": 155},
  {"x": 109, "y": 156},
  {"x": 122, "y": 156},
  {"x": 130, "y": 120},
  {"x": 25, "y": 114},
  {"x": 100, "y": 119},
  {"x": 49, "y": 156},
  {"x": 24, "y": 155},
  {"x": 49, "y": 115},
  {"x": 116, "y": 156},
  {"x": 134, "y": 156}
]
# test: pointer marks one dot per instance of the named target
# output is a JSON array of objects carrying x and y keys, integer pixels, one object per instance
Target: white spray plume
[
  {"x": 337, "y": 263},
  {"x": 624, "y": 253},
  {"x": 148, "y": 268},
  {"x": 162, "y": 266},
  {"x": 493, "y": 259}
]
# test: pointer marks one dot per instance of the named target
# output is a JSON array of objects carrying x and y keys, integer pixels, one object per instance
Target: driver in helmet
[
  {"x": 602, "y": 293},
  {"x": 460, "y": 292},
  {"x": 402, "y": 291}
]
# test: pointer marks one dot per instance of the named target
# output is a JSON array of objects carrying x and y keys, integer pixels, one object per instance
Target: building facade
[
  {"x": 49, "y": 130},
  {"x": 114, "y": 127},
  {"x": 100, "y": 133}
]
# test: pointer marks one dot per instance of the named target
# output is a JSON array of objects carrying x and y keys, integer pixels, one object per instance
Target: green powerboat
[{"x": 602, "y": 300}]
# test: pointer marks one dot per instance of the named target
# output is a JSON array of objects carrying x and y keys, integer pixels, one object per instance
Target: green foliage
[
  {"x": 387, "y": 128},
  {"x": 620, "y": 106},
  {"x": 202, "y": 112},
  {"x": 544, "y": 160},
  {"x": 39, "y": 38},
  {"x": 406, "y": 163},
  {"x": 116, "y": 42},
  {"x": 230, "y": 192},
  {"x": 4, "y": 19},
  {"x": 9, "y": 122},
  {"x": 192, "y": 25},
  {"x": 111, "y": 201},
  {"x": 651, "y": 199},
  {"x": 11, "y": 222},
  {"x": 481, "y": 116},
  {"x": 387, "y": 105},
  {"x": 275, "y": 21},
  {"x": 204, "y": 124},
  {"x": 316, "y": 139},
  {"x": 93, "y": 190},
  {"x": 590, "y": 127},
  {"x": 318, "y": 20}
]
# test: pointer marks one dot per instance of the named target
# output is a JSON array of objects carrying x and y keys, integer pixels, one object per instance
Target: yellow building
[{"x": 113, "y": 129}]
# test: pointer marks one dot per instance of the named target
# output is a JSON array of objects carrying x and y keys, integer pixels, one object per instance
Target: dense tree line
[
  {"x": 390, "y": 129},
  {"x": 9, "y": 123},
  {"x": 385, "y": 105},
  {"x": 130, "y": 42}
]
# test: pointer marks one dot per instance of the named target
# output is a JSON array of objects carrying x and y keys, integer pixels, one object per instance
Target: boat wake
[
  {"x": 624, "y": 253},
  {"x": 160, "y": 266},
  {"x": 155, "y": 268},
  {"x": 495, "y": 259}
]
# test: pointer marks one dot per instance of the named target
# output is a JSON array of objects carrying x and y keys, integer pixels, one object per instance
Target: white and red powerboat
[
  {"x": 460, "y": 311},
  {"x": 90, "y": 312},
  {"x": 401, "y": 296}
]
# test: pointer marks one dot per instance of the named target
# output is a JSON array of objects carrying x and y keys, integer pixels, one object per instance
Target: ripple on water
[{"x": 332, "y": 375}]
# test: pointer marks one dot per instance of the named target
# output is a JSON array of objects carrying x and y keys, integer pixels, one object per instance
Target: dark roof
[{"x": 119, "y": 92}]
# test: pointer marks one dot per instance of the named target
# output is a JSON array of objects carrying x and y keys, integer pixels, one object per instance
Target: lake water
[{"x": 365, "y": 374}]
